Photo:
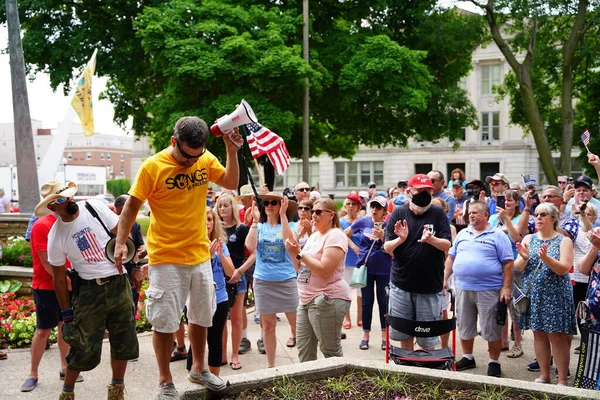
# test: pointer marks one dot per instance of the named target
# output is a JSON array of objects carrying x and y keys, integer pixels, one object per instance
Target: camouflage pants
[{"x": 99, "y": 308}]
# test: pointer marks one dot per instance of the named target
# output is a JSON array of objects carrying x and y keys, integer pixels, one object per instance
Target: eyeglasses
[
  {"x": 186, "y": 155},
  {"x": 302, "y": 208},
  {"x": 303, "y": 190},
  {"x": 270, "y": 203},
  {"x": 542, "y": 214},
  {"x": 494, "y": 183},
  {"x": 562, "y": 182},
  {"x": 319, "y": 212},
  {"x": 60, "y": 201},
  {"x": 549, "y": 196}
]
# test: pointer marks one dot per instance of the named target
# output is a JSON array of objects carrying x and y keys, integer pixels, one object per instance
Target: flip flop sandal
[
  {"x": 291, "y": 342},
  {"x": 383, "y": 345},
  {"x": 178, "y": 356},
  {"x": 347, "y": 325},
  {"x": 364, "y": 345},
  {"x": 235, "y": 365}
]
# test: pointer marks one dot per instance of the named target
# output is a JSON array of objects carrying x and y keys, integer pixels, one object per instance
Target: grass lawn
[{"x": 144, "y": 222}]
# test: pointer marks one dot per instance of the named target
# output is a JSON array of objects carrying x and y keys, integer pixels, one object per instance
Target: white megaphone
[
  {"x": 242, "y": 115},
  {"x": 110, "y": 250}
]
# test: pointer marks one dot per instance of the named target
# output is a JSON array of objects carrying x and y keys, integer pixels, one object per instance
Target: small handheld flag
[{"x": 585, "y": 138}]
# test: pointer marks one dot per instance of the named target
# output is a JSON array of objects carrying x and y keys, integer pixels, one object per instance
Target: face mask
[
  {"x": 422, "y": 199},
  {"x": 72, "y": 208}
]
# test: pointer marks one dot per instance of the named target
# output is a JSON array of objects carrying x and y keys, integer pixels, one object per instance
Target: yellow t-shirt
[{"x": 177, "y": 199}]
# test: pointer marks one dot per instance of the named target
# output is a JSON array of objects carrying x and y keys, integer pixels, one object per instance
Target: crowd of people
[{"x": 296, "y": 251}]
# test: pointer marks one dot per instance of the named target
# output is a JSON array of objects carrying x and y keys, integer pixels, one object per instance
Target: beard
[{"x": 72, "y": 208}]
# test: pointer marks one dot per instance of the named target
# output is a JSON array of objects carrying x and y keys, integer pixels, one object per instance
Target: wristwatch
[{"x": 299, "y": 256}]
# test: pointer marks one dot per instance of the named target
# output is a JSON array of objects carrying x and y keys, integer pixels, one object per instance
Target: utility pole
[
  {"x": 29, "y": 194},
  {"x": 305, "y": 113}
]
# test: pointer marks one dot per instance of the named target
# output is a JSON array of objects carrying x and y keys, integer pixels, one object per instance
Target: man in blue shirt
[
  {"x": 439, "y": 184},
  {"x": 481, "y": 259}
]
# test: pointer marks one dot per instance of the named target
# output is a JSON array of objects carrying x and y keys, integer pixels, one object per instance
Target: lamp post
[
  {"x": 64, "y": 162},
  {"x": 12, "y": 194}
]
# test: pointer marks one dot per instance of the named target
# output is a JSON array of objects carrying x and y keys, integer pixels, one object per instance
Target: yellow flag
[{"x": 82, "y": 99}]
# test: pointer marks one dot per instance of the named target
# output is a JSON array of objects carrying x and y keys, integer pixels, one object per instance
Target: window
[
  {"x": 102, "y": 156},
  {"x": 293, "y": 175},
  {"x": 423, "y": 168},
  {"x": 122, "y": 157},
  {"x": 490, "y": 126},
  {"x": 488, "y": 169},
  {"x": 69, "y": 156},
  {"x": 88, "y": 155},
  {"x": 122, "y": 170},
  {"x": 490, "y": 76},
  {"x": 354, "y": 174}
]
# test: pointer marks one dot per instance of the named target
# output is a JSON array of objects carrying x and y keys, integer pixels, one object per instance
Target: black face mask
[
  {"x": 422, "y": 199},
  {"x": 72, "y": 208}
]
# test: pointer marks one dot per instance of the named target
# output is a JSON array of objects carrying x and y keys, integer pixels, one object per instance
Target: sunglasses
[
  {"x": 303, "y": 190},
  {"x": 302, "y": 208},
  {"x": 186, "y": 155},
  {"x": 542, "y": 214},
  {"x": 319, "y": 212},
  {"x": 377, "y": 206},
  {"x": 60, "y": 201},
  {"x": 562, "y": 182},
  {"x": 268, "y": 203}
]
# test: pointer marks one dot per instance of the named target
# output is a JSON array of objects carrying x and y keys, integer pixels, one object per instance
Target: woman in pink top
[{"x": 324, "y": 295}]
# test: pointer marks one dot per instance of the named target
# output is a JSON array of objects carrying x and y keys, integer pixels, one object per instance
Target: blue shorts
[
  {"x": 417, "y": 307},
  {"x": 242, "y": 286},
  {"x": 47, "y": 309}
]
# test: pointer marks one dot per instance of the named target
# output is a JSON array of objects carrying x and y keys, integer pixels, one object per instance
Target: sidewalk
[{"x": 142, "y": 378}]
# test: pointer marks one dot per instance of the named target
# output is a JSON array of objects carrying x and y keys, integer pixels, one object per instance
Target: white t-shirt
[{"x": 83, "y": 241}]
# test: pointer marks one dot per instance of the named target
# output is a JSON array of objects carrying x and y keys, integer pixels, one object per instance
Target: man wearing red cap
[{"x": 417, "y": 237}]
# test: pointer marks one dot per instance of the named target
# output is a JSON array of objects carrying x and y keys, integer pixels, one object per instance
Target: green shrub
[
  {"x": 118, "y": 187},
  {"x": 16, "y": 251}
]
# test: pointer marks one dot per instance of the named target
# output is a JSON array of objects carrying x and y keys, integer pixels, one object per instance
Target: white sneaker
[{"x": 208, "y": 379}]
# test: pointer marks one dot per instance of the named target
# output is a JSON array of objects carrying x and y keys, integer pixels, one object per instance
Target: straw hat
[
  {"x": 245, "y": 191},
  {"x": 55, "y": 191},
  {"x": 292, "y": 205}
]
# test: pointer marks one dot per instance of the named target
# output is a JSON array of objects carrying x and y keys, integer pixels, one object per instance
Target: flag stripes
[{"x": 262, "y": 141}]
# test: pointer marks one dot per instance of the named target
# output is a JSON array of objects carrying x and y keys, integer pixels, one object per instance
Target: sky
[{"x": 48, "y": 106}]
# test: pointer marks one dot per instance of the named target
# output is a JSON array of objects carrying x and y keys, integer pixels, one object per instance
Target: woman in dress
[
  {"x": 546, "y": 257},
  {"x": 507, "y": 219},
  {"x": 275, "y": 283},
  {"x": 228, "y": 216},
  {"x": 324, "y": 295},
  {"x": 352, "y": 205}
]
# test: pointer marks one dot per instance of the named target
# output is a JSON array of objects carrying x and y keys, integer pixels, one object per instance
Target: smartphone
[
  {"x": 378, "y": 224},
  {"x": 500, "y": 201},
  {"x": 569, "y": 179}
]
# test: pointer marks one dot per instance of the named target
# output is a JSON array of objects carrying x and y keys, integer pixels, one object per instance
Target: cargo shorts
[{"x": 97, "y": 308}]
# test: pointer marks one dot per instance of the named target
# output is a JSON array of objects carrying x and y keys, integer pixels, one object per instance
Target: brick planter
[
  {"x": 23, "y": 274},
  {"x": 13, "y": 225}
]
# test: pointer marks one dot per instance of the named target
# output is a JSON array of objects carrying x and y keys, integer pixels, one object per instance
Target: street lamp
[{"x": 64, "y": 162}]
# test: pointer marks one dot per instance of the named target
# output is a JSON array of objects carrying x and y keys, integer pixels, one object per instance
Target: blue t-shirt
[
  {"x": 379, "y": 263},
  {"x": 479, "y": 259},
  {"x": 219, "y": 275},
  {"x": 351, "y": 257},
  {"x": 493, "y": 221},
  {"x": 451, "y": 201},
  {"x": 273, "y": 263}
]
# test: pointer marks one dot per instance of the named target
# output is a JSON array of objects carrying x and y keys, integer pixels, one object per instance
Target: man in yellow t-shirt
[{"x": 175, "y": 181}]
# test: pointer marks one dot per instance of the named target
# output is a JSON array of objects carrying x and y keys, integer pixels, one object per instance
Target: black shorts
[{"x": 47, "y": 309}]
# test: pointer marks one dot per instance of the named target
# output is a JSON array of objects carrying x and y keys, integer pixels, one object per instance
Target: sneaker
[
  {"x": 168, "y": 392},
  {"x": 535, "y": 366},
  {"x": 61, "y": 376},
  {"x": 208, "y": 379},
  {"x": 66, "y": 396},
  {"x": 116, "y": 392},
  {"x": 494, "y": 369},
  {"x": 245, "y": 346},
  {"x": 256, "y": 319},
  {"x": 29, "y": 385},
  {"x": 261, "y": 346},
  {"x": 465, "y": 363}
]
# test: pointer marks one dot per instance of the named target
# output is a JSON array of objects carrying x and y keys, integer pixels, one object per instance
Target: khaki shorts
[
  {"x": 173, "y": 286},
  {"x": 469, "y": 306}
]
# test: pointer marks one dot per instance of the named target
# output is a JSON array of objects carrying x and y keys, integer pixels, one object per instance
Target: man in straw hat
[
  {"x": 102, "y": 298},
  {"x": 175, "y": 181},
  {"x": 46, "y": 304}
]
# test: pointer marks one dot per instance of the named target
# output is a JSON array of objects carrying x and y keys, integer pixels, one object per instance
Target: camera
[{"x": 290, "y": 193}]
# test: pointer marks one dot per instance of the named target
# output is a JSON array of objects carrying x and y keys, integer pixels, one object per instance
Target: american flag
[
  {"x": 585, "y": 137},
  {"x": 90, "y": 248},
  {"x": 262, "y": 141},
  {"x": 588, "y": 366}
]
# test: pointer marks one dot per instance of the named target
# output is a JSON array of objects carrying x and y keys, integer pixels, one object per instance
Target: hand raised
[
  {"x": 523, "y": 250},
  {"x": 401, "y": 229}
]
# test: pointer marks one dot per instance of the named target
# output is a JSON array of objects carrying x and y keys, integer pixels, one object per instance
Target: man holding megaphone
[{"x": 175, "y": 182}]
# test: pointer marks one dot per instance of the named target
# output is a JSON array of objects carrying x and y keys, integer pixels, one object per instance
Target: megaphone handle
[{"x": 246, "y": 146}]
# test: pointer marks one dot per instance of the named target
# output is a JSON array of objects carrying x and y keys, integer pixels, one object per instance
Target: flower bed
[{"x": 16, "y": 251}]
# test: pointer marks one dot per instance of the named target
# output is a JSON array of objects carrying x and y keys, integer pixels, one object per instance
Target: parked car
[{"x": 100, "y": 197}]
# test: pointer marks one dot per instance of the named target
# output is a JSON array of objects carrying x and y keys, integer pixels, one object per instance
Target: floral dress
[{"x": 552, "y": 309}]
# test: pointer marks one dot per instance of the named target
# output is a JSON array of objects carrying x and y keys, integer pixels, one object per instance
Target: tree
[
  {"x": 118, "y": 187},
  {"x": 558, "y": 43},
  {"x": 373, "y": 80}
]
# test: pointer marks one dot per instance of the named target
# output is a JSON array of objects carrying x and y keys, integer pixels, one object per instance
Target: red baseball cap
[
  {"x": 420, "y": 181},
  {"x": 354, "y": 197}
]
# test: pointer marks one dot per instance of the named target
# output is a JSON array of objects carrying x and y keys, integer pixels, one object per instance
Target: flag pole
[{"x": 260, "y": 177}]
